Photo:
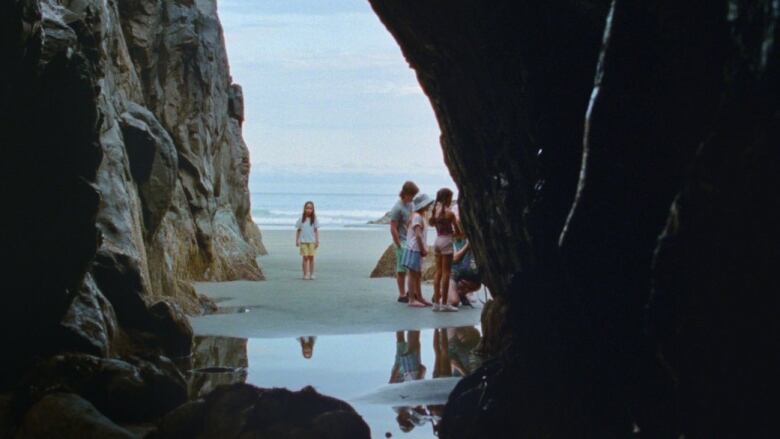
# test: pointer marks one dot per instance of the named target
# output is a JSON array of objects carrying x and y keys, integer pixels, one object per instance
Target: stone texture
[
  {"x": 567, "y": 181},
  {"x": 565, "y": 216},
  {"x": 385, "y": 266},
  {"x": 174, "y": 328},
  {"x": 216, "y": 361},
  {"x": 241, "y": 410},
  {"x": 48, "y": 129},
  {"x": 123, "y": 391},
  {"x": 89, "y": 324},
  {"x": 123, "y": 137},
  {"x": 65, "y": 415}
]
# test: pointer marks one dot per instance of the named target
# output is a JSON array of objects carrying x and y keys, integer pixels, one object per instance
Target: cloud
[{"x": 327, "y": 89}]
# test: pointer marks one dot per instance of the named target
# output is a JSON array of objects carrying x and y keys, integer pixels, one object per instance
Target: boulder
[
  {"x": 66, "y": 415},
  {"x": 125, "y": 391},
  {"x": 385, "y": 267},
  {"x": 244, "y": 410},
  {"x": 384, "y": 220},
  {"x": 90, "y": 324},
  {"x": 173, "y": 328}
]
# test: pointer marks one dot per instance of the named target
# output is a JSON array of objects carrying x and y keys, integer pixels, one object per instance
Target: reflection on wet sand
[
  {"x": 407, "y": 365},
  {"x": 454, "y": 355},
  {"x": 216, "y": 361},
  {"x": 413, "y": 401}
]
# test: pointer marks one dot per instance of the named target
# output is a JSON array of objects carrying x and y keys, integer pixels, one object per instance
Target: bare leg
[
  {"x": 436, "y": 281},
  {"x": 303, "y": 266},
  {"x": 446, "y": 267},
  {"x": 454, "y": 295},
  {"x": 418, "y": 287},
  {"x": 415, "y": 297},
  {"x": 311, "y": 266},
  {"x": 400, "y": 279}
]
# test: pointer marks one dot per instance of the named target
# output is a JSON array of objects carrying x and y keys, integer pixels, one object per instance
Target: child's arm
[
  {"x": 455, "y": 223},
  {"x": 423, "y": 246},
  {"x": 298, "y": 237},
  {"x": 317, "y": 237},
  {"x": 459, "y": 254},
  {"x": 394, "y": 233}
]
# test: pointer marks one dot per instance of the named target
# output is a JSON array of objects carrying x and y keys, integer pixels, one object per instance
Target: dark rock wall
[
  {"x": 126, "y": 173},
  {"x": 574, "y": 150}
]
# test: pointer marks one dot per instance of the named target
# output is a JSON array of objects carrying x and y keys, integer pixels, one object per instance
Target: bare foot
[{"x": 416, "y": 304}]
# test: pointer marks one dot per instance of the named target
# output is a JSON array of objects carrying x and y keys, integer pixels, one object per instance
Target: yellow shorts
[{"x": 307, "y": 249}]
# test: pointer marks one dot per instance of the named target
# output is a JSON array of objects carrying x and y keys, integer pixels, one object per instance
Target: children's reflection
[
  {"x": 307, "y": 345},
  {"x": 453, "y": 356},
  {"x": 407, "y": 366},
  {"x": 461, "y": 344},
  {"x": 410, "y": 417}
]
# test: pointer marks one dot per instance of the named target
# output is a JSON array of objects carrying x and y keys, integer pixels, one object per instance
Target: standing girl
[
  {"x": 445, "y": 222},
  {"x": 307, "y": 239},
  {"x": 416, "y": 249}
]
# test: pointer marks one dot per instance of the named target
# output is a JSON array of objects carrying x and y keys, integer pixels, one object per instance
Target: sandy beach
[
  {"x": 341, "y": 300},
  {"x": 354, "y": 317}
]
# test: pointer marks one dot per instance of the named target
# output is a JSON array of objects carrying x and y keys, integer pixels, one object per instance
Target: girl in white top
[
  {"x": 416, "y": 249},
  {"x": 307, "y": 238}
]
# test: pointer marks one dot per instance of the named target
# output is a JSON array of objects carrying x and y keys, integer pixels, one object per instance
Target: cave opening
[
  {"x": 332, "y": 113},
  {"x": 616, "y": 165}
]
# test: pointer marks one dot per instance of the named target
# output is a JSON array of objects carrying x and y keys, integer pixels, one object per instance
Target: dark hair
[
  {"x": 443, "y": 199},
  {"x": 313, "y": 214},
  {"x": 409, "y": 188}
]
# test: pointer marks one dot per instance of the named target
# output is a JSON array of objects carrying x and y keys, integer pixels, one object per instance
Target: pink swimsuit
[{"x": 444, "y": 231}]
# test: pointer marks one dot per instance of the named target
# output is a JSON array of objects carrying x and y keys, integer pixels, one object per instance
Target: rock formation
[
  {"x": 123, "y": 135},
  {"x": 616, "y": 163},
  {"x": 385, "y": 266},
  {"x": 127, "y": 176}
]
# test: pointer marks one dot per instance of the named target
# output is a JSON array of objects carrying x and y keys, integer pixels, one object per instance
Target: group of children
[{"x": 409, "y": 221}]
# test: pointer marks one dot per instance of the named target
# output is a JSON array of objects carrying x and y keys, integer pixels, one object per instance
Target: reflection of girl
[
  {"x": 441, "y": 366},
  {"x": 307, "y": 345},
  {"x": 407, "y": 366}
]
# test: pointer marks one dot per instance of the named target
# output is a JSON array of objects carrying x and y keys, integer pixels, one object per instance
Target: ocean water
[
  {"x": 340, "y": 200},
  {"x": 282, "y": 210}
]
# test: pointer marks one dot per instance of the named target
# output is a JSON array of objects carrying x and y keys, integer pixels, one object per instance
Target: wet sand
[
  {"x": 355, "y": 319},
  {"x": 341, "y": 300}
]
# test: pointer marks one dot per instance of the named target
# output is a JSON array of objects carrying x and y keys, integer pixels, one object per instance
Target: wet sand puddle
[{"x": 398, "y": 381}]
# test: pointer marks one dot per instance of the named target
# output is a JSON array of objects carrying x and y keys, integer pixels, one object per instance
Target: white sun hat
[{"x": 422, "y": 201}]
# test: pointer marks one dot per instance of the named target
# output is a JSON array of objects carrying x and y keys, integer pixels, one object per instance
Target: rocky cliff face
[
  {"x": 617, "y": 163},
  {"x": 125, "y": 169},
  {"x": 124, "y": 162},
  {"x": 168, "y": 165}
]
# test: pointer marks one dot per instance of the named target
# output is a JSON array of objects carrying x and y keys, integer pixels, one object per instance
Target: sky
[{"x": 326, "y": 89}]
